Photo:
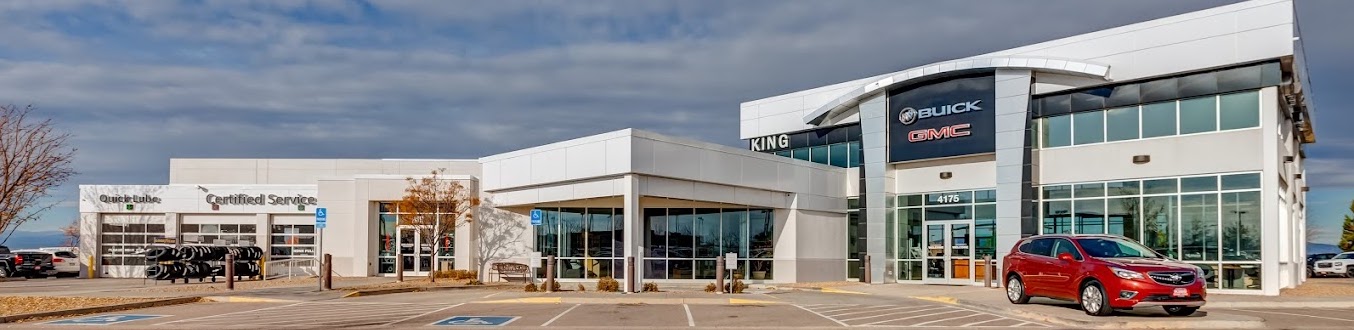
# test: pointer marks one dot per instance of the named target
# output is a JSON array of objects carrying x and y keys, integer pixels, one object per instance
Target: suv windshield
[{"x": 1104, "y": 247}]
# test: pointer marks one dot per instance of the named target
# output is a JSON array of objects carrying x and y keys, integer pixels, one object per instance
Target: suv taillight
[
  {"x": 57, "y": 260},
  {"x": 18, "y": 259}
]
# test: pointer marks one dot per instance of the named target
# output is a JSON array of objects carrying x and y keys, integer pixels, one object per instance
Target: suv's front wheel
[
  {"x": 1180, "y": 310},
  {"x": 1015, "y": 290},
  {"x": 1093, "y": 300}
]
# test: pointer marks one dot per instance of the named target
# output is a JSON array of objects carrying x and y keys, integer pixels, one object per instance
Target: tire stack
[{"x": 169, "y": 263}]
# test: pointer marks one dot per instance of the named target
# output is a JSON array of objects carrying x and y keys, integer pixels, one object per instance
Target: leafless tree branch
[{"x": 34, "y": 158}]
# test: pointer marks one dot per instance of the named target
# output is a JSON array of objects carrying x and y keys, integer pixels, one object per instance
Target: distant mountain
[
  {"x": 34, "y": 239},
  {"x": 1313, "y": 248}
]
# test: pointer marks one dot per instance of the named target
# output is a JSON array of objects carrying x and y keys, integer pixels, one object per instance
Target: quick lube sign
[{"x": 942, "y": 119}]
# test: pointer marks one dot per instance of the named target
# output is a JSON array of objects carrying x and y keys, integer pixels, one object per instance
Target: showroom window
[
  {"x": 419, "y": 257},
  {"x": 845, "y": 154},
  {"x": 292, "y": 241},
  {"x": 219, "y": 234},
  {"x": 1188, "y": 116},
  {"x": 1211, "y": 221},
  {"x": 124, "y": 239},
  {"x": 682, "y": 243},
  {"x": 586, "y": 242}
]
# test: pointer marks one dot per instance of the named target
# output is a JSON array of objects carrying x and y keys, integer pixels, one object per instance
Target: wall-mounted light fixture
[
  {"x": 1297, "y": 176},
  {"x": 216, "y": 207},
  {"x": 946, "y": 175},
  {"x": 1305, "y": 189},
  {"x": 1288, "y": 159},
  {"x": 129, "y": 207},
  {"x": 1142, "y": 159}
]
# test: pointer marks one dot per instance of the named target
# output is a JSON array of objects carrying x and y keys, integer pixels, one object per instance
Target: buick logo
[
  {"x": 908, "y": 116},
  {"x": 1175, "y": 278}
]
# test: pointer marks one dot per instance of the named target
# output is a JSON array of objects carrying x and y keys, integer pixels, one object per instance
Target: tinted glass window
[
  {"x": 1057, "y": 131},
  {"x": 838, "y": 155},
  {"x": 1115, "y": 248},
  {"x": 1161, "y": 186},
  {"x": 1088, "y": 127},
  {"x": 65, "y": 254},
  {"x": 1241, "y": 181},
  {"x": 1240, "y": 110},
  {"x": 1061, "y": 246},
  {"x": 1198, "y": 115},
  {"x": 1058, "y": 192},
  {"x": 1042, "y": 246},
  {"x": 1121, "y": 124},
  {"x": 1344, "y": 256},
  {"x": 1158, "y": 119},
  {"x": 1203, "y": 183}
]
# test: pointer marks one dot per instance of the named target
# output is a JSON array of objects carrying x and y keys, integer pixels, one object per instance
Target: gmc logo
[{"x": 946, "y": 132}]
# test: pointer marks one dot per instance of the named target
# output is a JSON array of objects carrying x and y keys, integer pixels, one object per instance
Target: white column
[
  {"x": 1271, "y": 241},
  {"x": 634, "y": 231},
  {"x": 1014, "y": 171},
  {"x": 874, "y": 142}
]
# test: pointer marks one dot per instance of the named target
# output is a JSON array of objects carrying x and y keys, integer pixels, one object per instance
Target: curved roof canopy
[{"x": 1036, "y": 63}]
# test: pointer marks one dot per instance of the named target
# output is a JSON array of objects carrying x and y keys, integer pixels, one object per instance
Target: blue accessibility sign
[
  {"x": 104, "y": 319},
  {"x": 321, "y": 217},
  {"x": 477, "y": 321},
  {"x": 535, "y": 217}
]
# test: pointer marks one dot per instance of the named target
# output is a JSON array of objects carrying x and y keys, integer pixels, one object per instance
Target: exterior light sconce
[
  {"x": 1142, "y": 159},
  {"x": 946, "y": 175},
  {"x": 300, "y": 207},
  {"x": 1297, "y": 176},
  {"x": 1305, "y": 189},
  {"x": 216, "y": 207},
  {"x": 129, "y": 207},
  {"x": 1288, "y": 159}
]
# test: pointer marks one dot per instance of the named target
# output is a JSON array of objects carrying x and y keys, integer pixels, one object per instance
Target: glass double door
[
  {"x": 949, "y": 252},
  {"x": 418, "y": 256}
]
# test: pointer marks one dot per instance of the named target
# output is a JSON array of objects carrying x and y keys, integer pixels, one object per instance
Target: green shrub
[
  {"x": 531, "y": 287},
  {"x": 608, "y": 284},
  {"x": 650, "y": 287},
  {"x": 711, "y": 287}
]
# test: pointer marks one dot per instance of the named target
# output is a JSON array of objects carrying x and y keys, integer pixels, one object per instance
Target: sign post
[
  {"x": 731, "y": 264},
  {"x": 321, "y": 219}
]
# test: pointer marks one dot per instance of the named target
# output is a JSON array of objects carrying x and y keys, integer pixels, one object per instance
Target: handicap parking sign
[
  {"x": 477, "y": 321},
  {"x": 104, "y": 319}
]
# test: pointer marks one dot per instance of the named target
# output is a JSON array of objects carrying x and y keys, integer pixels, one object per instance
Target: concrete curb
[
  {"x": 1179, "y": 323},
  {"x": 376, "y": 292},
  {"x": 631, "y": 300},
  {"x": 102, "y": 309},
  {"x": 1282, "y": 304},
  {"x": 241, "y": 299},
  {"x": 13, "y": 279}
]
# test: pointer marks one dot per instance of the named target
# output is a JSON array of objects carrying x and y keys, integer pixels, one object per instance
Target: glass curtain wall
[
  {"x": 853, "y": 239},
  {"x": 586, "y": 242},
  {"x": 682, "y": 243},
  {"x": 1211, "y": 221},
  {"x": 914, "y": 210},
  {"x": 1187, "y": 116},
  {"x": 845, "y": 154}
]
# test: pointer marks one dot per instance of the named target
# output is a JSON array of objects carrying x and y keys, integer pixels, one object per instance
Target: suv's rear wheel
[
  {"x": 1093, "y": 300},
  {"x": 1015, "y": 290},
  {"x": 1180, "y": 310}
]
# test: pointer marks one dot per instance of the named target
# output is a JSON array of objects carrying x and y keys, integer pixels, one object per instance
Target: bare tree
[
  {"x": 34, "y": 158},
  {"x": 72, "y": 234},
  {"x": 434, "y": 207}
]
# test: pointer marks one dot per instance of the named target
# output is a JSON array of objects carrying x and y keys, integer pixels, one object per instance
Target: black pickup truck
[{"x": 24, "y": 264}]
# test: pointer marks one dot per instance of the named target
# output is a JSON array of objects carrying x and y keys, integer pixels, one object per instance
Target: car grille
[
  {"x": 1323, "y": 264},
  {"x": 1172, "y": 278},
  {"x": 1169, "y": 298}
]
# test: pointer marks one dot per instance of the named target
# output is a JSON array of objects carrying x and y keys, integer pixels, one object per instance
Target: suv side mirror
[{"x": 1066, "y": 257}]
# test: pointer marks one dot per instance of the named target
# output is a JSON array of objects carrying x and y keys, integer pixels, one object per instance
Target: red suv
[{"x": 1102, "y": 273}]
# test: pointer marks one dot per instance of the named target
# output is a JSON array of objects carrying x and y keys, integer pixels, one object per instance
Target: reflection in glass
[
  {"x": 599, "y": 233},
  {"x": 1123, "y": 216},
  {"x": 1198, "y": 115},
  {"x": 761, "y": 235},
  {"x": 1240, "y": 110},
  {"x": 1057, "y": 131},
  {"x": 985, "y": 230},
  {"x": 1241, "y": 181},
  {"x": 1203, "y": 183},
  {"x": 1199, "y": 221},
  {"x": 1058, "y": 217},
  {"x": 936, "y": 213},
  {"x": 838, "y": 155},
  {"x": 818, "y": 154},
  {"x": 1090, "y": 216},
  {"x": 1159, "y": 224},
  {"x": 1121, "y": 124},
  {"x": 734, "y": 230},
  {"x": 1158, "y": 119},
  {"x": 707, "y": 233},
  {"x": 1241, "y": 226},
  {"x": 1088, "y": 127},
  {"x": 656, "y": 223},
  {"x": 571, "y": 227},
  {"x": 1240, "y": 276}
]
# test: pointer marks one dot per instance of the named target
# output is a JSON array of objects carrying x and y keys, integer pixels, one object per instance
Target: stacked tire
[{"x": 169, "y": 263}]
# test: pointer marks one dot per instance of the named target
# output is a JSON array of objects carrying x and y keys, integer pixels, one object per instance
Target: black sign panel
[{"x": 953, "y": 117}]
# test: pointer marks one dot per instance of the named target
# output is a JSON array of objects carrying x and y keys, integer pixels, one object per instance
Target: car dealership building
[{"x": 1185, "y": 133}]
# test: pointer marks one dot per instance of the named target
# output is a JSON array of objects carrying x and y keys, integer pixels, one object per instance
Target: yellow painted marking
[
  {"x": 944, "y": 300},
  {"x": 736, "y": 301},
  {"x": 529, "y": 300},
  {"x": 833, "y": 290}
]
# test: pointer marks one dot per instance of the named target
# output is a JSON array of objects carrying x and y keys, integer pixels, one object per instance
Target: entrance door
[
  {"x": 949, "y": 253},
  {"x": 418, "y": 258}
]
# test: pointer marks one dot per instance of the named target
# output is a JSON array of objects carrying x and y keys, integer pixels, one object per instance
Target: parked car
[
  {"x": 1313, "y": 258},
  {"x": 26, "y": 264},
  {"x": 1340, "y": 265},
  {"x": 64, "y": 263},
  {"x": 1101, "y": 273}
]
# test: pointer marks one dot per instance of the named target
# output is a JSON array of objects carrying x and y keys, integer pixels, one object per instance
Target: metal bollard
[
  {"x": 631, "y": 273},
  {"x": 230, "y": 272},
  {"x": 549, "y": 274},
  {"x": 328, "y": 272},
  {"x": 987, "y": 270},
  {"x": 719, "y": 274},
  {"x": 399, "y": 267},
  {"x": 865, "y": 276}
]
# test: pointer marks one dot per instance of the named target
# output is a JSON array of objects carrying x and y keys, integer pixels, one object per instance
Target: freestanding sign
[
  {"x": 731, "y": 261},
  {"x": 535, "y": 217},
  {"x": 321, "y": 219}
]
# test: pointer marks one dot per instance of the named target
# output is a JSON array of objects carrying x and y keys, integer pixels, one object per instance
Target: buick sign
[{"x": 909, "y": 115}]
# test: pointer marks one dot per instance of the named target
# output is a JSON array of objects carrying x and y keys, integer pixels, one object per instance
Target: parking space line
[
  {"x": 876, "y": 310},
  {"x": 913, "y": 317},
  {"x": 896, "y": 313},
  {"x": 999, "y": 318},
  {"x": 821, "y": 315},
  {"x": 325, "y": 321},
  {"x": 1296, "y": 314},
  {"x": 231, "y": 313},
  {"x": 552, "y": 320},
  {"x": 943, "y": 320},
  {"x": 291, "y": 315},
  {"x": 852, "y": 307},
  {"x": 690, "y": 321},
  {"x": 421, "y": 315},
  {"x": 491, "y": 295}
]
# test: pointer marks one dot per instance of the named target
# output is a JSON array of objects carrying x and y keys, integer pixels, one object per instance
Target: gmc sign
[{"x": 946, "y": 132}]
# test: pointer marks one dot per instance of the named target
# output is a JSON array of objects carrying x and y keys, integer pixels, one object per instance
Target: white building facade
[{"x": 1185, "y": 133}]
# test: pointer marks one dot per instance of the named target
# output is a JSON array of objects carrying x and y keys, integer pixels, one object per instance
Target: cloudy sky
[{"x": 139, "y": 82}]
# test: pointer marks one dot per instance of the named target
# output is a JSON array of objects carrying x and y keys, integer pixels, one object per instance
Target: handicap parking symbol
[
  {"x": 104, "y": 319},
  {"x": 474, "y": 321}
]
